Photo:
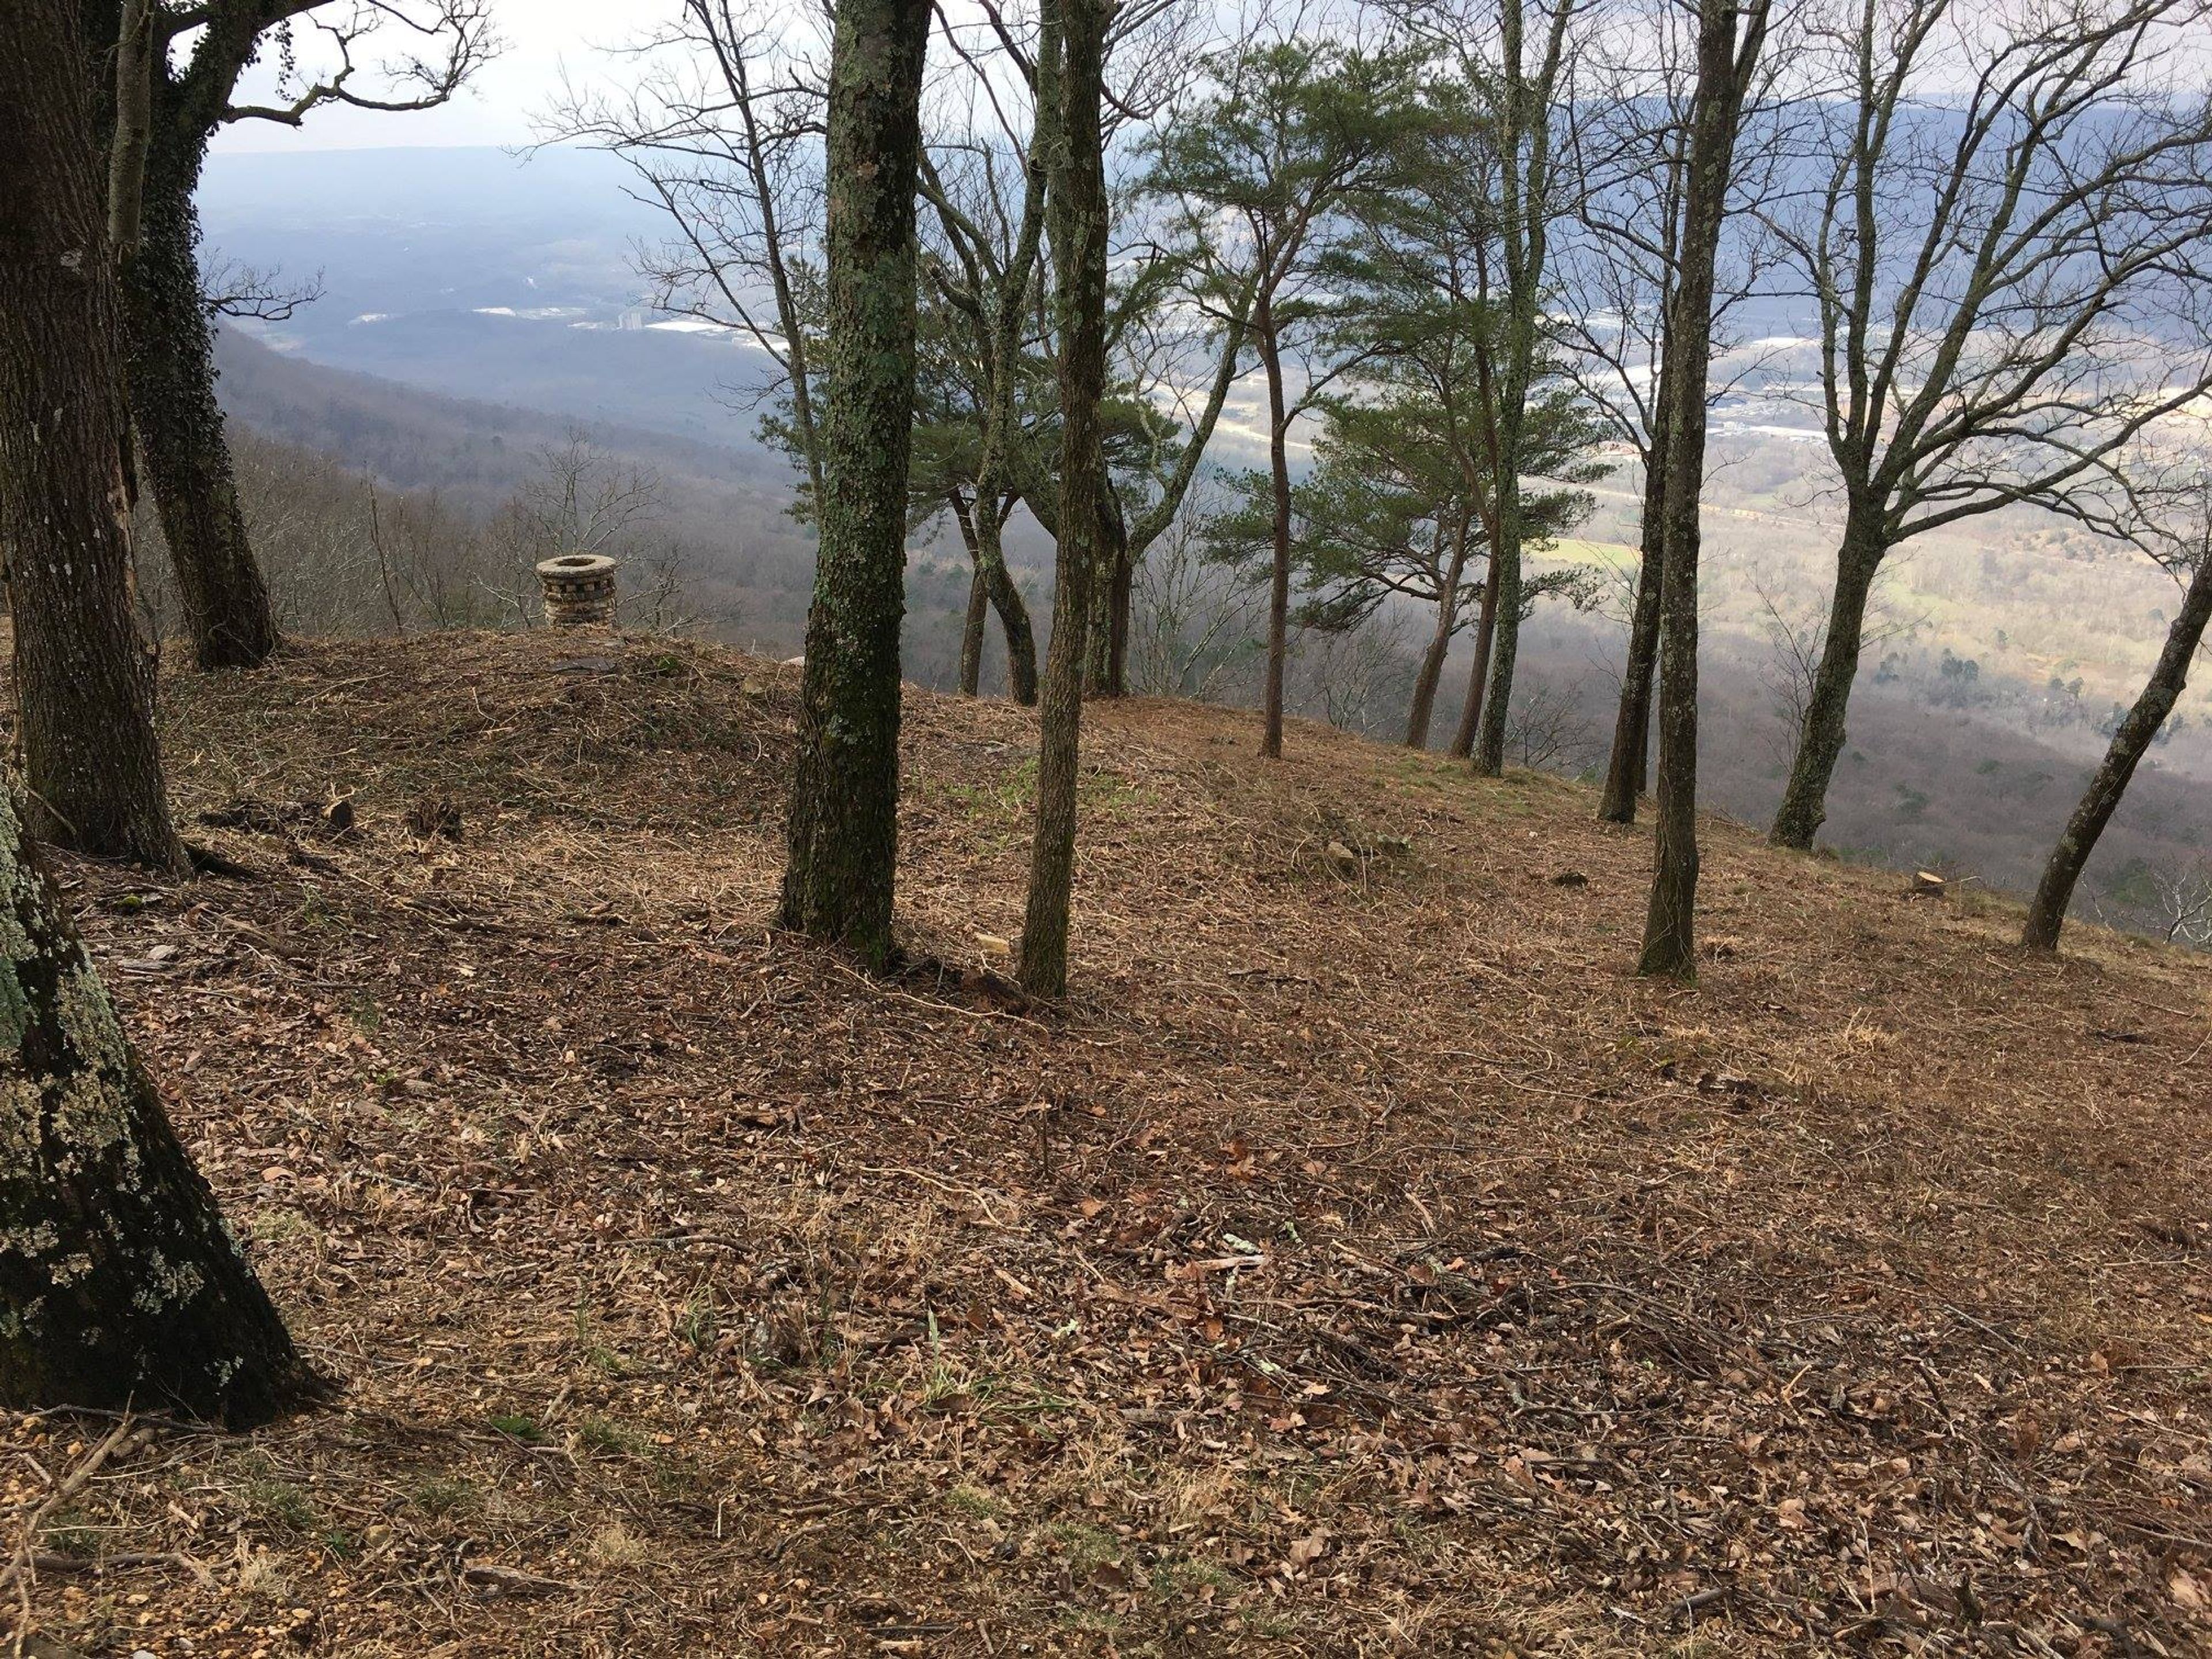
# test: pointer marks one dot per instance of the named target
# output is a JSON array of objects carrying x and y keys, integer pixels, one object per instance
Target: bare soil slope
[{"x": 1365, "y": 1263}]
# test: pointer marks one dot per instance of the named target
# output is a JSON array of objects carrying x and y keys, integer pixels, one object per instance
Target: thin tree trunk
[
  {"x": 119, "y": 1284},
  {"x": 979, "y": 602},
  {"x": 1821, "y": 744},
  {"x": 1278, "y": 583},
  {"x": 1121, "y": 597},
  {"x": 1504, "y": 620},
  {"x": 1007, "y": 600},
  {"x": 84, "y": 680},
  {"x": 2046, "y": 916},
  {"x": 1670, "y": 931},
  {"x": 843, "y": 828},
  {"x": 1113, "y": 557},
  {"x": 1073, "y": 94},
  {"x": 1631, "y": 726},
  {"x": 1433, "y": 659},
  {"x": 1477, "y": 679},
  {"x": 179, "y": 423}
]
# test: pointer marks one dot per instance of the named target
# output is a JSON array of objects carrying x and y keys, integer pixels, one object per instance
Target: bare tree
[
  {"x": 2009, "y": 280},
  {"x": 2185, "y": 550}
]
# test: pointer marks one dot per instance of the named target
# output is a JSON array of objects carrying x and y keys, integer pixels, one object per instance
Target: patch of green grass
[
  {"x": 973, "y": 1501},
  {"x": 271, "y": 1499},
  {"x": 442, "y": 1496},
  {"x": 524, "y": 1429},
  {"x": 601, "y": 1434}
]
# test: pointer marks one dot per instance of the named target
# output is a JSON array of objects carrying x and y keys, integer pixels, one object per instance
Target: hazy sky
[{"x": 541, "y": 37}]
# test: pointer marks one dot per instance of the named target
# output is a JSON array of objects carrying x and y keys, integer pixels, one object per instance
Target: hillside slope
[{"x": 1365, "y": 1263}]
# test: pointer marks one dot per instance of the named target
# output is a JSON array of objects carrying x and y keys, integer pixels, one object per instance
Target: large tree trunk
[
  {"x": 843, "y": 828},
  {"x": 180, "y": 424},
  {"x": 1631, "y": 725},
  {"x": 84, "y": 680},
  {"x": 1670, "y": 933},
  {"x": 2046, "y": 916},
  {"x": 1821, "y": 744},
  {"x": 1073, "y": 92},
  {"x": 1478, "y": 679},
  {"x": 1278, "y": 580},
  {"x": 119, "y": 1284}
]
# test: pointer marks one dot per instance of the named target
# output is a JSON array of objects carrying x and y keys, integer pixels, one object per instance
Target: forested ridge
[{"x": 1348, "y": 887}]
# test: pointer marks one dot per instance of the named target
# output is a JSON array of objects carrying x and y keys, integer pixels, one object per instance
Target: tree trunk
[
  {"x": 1631, "y": 726},
  {"x": 1478, "y": 679},
  {"x": 119, "y": 1284},
  {"x": 1505, "y": 618},
  {"x": 1073, "y": 92},
  {"x": 1278, "y": 583},
  {"x": 84, "y": 680},
  {"x": 1821, "y": 744},
  {"x": 1433, "y": 659},
  {"x": 179, "y": 423},
  {"x": 1107, "y": 579},
  {"x": 2046, "y": 916},
  {"x": 1670, "y": 933},
  {"x": 979, "y": 602},
  {"x": 982, "y": 533},
  {"x": 1121, "y": 598},
  {"x": 843, "y": 828}
]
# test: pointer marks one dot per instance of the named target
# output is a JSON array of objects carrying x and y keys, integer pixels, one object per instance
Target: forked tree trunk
[
  {"x": 1073, "y": 92},
  {"x": 2046, "y": 916},
  {"x": 1278, "y": 577},
  {"x": 180, "y": 427},
  {"x": 980, "y": 532},
  {"x": 1805, "y": 802},
  {"x": 1478, "y": 679},
  {"x": 119, "y": 1284},
  {"x": 1670, "y": 931},
  {"x": 843, "y": 828},
  {"x": 1631, "y": 725},
  {"x": 84, "y": 680}
]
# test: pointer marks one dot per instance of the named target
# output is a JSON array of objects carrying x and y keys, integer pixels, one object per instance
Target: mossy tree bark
[
  {"x": 2046, "y": 916},
  {"x": 84, "y": 680},
  {"x": 843, "y": 825},
  {"x": 228, "y": 618},
  {"x": 1070, "y": 93},
  {"x": 1726, "y": 60},
  {"x": 1478, "y": 679}
]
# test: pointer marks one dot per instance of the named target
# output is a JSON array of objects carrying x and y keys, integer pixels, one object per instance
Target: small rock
[
  {"x": 1570, "y": 878},
  {"x": 1346, "y": 861}
]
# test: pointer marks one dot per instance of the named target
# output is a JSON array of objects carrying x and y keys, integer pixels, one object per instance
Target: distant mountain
[{"x": 480, "y": 274}]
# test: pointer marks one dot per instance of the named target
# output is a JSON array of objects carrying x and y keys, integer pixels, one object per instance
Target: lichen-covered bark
[
  {"x": 1070, "y": 94},
  {"x": 119, "y": 1283},
  {"x": 84, "y": 681},
  {"x": 843, "y": 827},
  {"x": 2046, "y": 916}
]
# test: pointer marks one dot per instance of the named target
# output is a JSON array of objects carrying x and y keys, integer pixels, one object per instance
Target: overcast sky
[{"x": 542, "y": 37}]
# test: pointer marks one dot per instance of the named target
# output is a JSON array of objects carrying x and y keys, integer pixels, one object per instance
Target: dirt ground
[{"x": 1365, "y": 1262}]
